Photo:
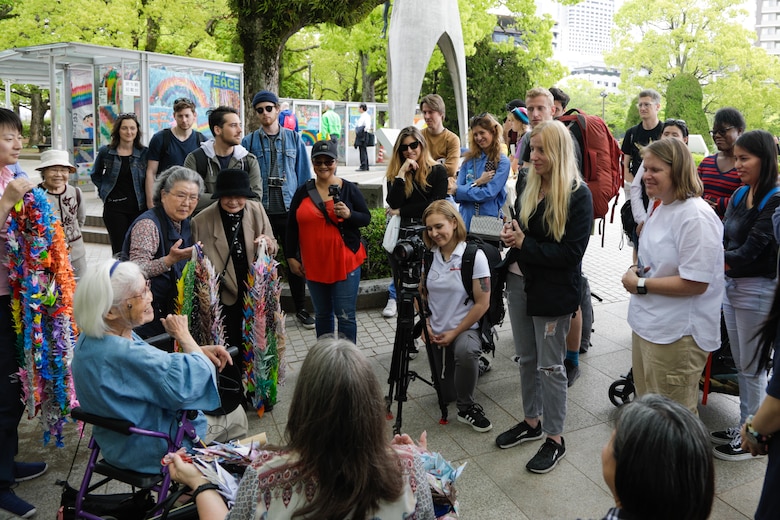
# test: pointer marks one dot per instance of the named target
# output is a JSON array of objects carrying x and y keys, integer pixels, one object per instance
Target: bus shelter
[{"x": 90, "y": 85}]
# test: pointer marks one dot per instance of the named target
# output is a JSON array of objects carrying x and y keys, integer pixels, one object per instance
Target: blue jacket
[
  {"x": 490, "y": 197},
  {"x": 105, "y": 172},
  {"x": 292, "y": 157}
]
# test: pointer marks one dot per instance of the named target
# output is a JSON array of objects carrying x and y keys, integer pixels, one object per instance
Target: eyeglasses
[
  {"x": 147, "y": 288},
  {"x": 184, "y": 197},
  {"x": 644, "y": 105},
  {"x": 267, "y": 108},
  {"x": 324, "y": 162},
  {"x": 720, "y": 131},
  {"x": 57, "y": 169},
  {"x": 412, "y": 146}
]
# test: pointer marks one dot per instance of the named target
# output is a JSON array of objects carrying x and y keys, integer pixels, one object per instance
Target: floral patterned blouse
[{"x": 272, "y": 488}]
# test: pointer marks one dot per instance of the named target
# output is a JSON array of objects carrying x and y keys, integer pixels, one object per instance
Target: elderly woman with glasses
[
  {"x": 323, "y": 242},
  {"x": 119, "y": 173},
  {"x": 118, "y": 375},
  {"x": 160, "y": 240},
  {"x": 718, "y": 172},
  {"x": 66, "y": 202},
  {"x": 480, "y": 187}
]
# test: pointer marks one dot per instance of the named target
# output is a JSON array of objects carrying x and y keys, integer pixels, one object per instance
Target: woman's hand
[
  {"x": 444, "y": 339},
  {"x": 752, "y": 445},
  {"x": 639, "y": 228},
  {"x": 177, "y": 326},
  {"x": 176, "y": 254},
  {"x": 218, "y": 355},
  {"x": 409, "y": 164},
  {"x": 393, "y": 212},
  {"x": 631, "y": 279},
  {"x": 486, "y": 177},
  {"x": 271, "y": 244},
  {"x": 511, "y": 235},
  {"x": 405, "y": 440},
  {"x": 296, "y": 267},
  {"x": 185, "y": 472},
  {"x": 342, "y": 210},
  {"x": 452, "y": 185}
]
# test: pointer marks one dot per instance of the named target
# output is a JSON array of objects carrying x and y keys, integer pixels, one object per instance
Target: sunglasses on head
[
  {"x": 412, "y": 145},
  {"x": 126, "y": 115},
  {"x": 267, "y": 108},
  {"x": 182, "y": 100},
  {"x": 476, "y": 119}
]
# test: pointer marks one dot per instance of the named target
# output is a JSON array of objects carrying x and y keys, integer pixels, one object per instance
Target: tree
[
  {"x": 656, "y": 41},
  {"x": 684, "y": 101},
  {"x": 263, "y": 28}
]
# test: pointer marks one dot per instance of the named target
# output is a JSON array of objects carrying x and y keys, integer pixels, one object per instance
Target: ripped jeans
[{"x": 540, "y": 345}]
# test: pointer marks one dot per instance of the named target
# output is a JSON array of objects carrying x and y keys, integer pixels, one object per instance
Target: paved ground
[{"x": 495, "y": 483}]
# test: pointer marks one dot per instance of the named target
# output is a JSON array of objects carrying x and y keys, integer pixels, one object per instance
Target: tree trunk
[
  {"x": 38, "y": 109},
  {"x": 369, "y": 79},
  {"x": 261, "y": 62}
]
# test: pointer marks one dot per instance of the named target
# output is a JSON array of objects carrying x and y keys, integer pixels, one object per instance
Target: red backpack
[
  {"x": 600, "y": 158},
  {"x": 289, "y": 121}
]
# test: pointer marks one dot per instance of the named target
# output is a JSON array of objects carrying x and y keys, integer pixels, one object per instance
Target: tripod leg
[{"x": 435, "y": 376}]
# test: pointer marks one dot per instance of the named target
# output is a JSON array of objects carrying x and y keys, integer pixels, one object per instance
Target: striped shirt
[{"x": 718, "y": 185}]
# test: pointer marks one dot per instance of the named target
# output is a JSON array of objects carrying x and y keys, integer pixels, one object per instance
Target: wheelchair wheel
[{"x": 621, "y": 392}]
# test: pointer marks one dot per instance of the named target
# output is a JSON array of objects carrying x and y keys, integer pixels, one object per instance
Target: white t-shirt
[
  {"x": 365, "y": 121},
  {"x": 683, "y": 238},
  {"x": 446, "y": 295}
]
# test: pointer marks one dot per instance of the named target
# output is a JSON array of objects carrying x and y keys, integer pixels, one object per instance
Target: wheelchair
[{"x": 159, "y": 483}]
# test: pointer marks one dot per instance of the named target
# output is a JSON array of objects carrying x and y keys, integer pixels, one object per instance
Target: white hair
[
  {"x": 100, "y": 289},
  {"x": 330, "y": 104}
]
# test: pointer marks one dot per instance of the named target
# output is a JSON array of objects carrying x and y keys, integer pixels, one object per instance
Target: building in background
[{"x": 768, "y": 25}]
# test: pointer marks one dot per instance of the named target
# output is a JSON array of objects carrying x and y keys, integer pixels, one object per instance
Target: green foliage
[
  {"x": 376, "y": 265},
  {"x": 587, "y": 97},
  {"x": 656, "y": 41},
  {"x": 632, "y": 117},
  {"x": 684, "y": 101}
]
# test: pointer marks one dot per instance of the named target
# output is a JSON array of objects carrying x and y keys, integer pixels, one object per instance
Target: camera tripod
[{"x": 400, "y": 375}]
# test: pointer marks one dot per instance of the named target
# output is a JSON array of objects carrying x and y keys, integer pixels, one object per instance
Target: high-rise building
[
  {"x": 768, "y": 25},
  {"x": 584, "y": 30}
]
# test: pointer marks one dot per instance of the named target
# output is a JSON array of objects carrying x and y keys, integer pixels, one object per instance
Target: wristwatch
[{"x": 640, "y": 286}]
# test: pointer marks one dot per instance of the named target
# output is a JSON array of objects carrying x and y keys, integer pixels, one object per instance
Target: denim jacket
[
  {"x": 105, "y": 172},
  {"x": 292, "y": 159},
  {"x": 490, "y": 196}
]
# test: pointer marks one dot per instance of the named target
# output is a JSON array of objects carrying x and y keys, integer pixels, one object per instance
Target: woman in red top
[{"x": 330, "y": 252}]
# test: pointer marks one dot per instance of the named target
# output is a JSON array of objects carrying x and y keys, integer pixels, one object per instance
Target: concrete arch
[{"x": 415, "y": 29}]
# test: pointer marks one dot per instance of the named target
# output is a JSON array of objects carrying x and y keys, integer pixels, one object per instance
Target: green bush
[{"x": 376, "y": 265}]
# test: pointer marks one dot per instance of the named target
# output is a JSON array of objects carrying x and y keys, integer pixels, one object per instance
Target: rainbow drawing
[
  {"x": 169, "y": 88},
  {"x": 81, "y": 95},
  {"x": 309, "y": 137}
]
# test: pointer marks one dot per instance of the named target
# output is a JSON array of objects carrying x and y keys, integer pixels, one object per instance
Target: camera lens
[{"x": 403, "y": 251}]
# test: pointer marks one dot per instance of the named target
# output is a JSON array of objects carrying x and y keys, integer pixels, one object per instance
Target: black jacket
[
  {"x": 748, "y": 239},
  {"x": 414, "y": 206},
  {"x": 552, "y": 269}
]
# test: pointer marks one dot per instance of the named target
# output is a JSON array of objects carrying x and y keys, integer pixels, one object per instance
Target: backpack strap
[
  {"x": 467, "y": 269},
  {"x": 201, "y": 138},
  {"x": 201, "y": 162},
  {"x": 766, "y": 198},
  {"x": 166, "y": 143},
  {"x": 314, "y": 195}
]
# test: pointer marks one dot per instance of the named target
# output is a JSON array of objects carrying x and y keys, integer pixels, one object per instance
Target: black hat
[
  {"x": 265, "y": 95},
  {"x": 328, "y": 148},
  {"x": 515, "y": 103},
  {"x": 233, "y": 183}
]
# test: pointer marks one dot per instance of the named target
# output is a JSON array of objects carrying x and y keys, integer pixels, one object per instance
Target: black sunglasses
[
  {"x": 268, "y": 108},
  {"x": 721, "y": 131},
  {"x": 404, "y": 147},
  {"x": 326, "y": 162},
  {"x": 182, "y": 100},
  {"x": 676, "y": 122},
  {"x": 127, "y": 115},
  {"x": 476, "y": 119}
]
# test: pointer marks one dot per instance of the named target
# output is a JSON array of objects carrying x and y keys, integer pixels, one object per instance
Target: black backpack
[{"x": 495, "y": 313}]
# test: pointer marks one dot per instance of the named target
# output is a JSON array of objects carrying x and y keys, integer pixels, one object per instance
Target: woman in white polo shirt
[
  {"x": 677, "y": 286},
  {"x": 452, "y": 323}
]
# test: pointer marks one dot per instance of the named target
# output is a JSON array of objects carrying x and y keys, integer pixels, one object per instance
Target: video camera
[{"x": 409, "y": 252}]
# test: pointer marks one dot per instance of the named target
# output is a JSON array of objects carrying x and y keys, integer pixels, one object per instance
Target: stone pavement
[{"x": 495, "y": 483}]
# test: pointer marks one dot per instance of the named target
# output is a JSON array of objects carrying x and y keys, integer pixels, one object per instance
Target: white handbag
[
  {"x": 486, "y": 227},
  {"x": 391, "y": 233}
]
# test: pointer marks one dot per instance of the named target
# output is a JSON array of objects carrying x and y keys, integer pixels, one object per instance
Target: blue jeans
[
  {"x": 339, "y": 298},
  {"x": 746, "y": 303}
]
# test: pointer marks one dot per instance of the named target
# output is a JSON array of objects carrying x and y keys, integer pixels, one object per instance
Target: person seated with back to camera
[
  {"x": 336, "y": 462},
  {"x": 650, "y": 433},
  {"x": 118, "y": 375}
]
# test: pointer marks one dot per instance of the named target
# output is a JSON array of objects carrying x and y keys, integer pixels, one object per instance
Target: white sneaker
[{"x": 390, "y": 309}]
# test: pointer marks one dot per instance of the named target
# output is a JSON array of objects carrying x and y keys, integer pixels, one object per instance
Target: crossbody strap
[{"x": 314, "y": 195}]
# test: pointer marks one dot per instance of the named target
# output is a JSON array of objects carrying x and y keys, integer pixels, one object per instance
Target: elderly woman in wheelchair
[{"x": 118, "y": 375}]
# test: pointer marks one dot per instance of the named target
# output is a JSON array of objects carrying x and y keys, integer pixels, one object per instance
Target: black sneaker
[
  {"x": 547, "y": 457},
  {"x": 475, "y": 416},
  {"x": 13, "y": 504},
  {"x": 29, "y": 470},
  {"x": 732, "y": 450},
  {"x": 305, "y": 319},
  {"x": 725, "y": 436},
  {"x": 519, "y": 434},
  {"x": 572, "y": 371}
]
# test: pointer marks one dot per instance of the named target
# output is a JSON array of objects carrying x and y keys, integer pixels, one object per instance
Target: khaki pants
[{"x": 672, "y": 370}]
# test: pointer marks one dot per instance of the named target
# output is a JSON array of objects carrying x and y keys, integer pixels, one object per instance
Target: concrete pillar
[{"x": 416, "y": 27}]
